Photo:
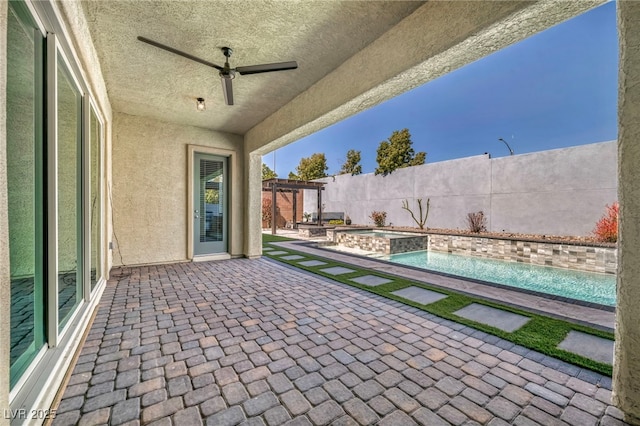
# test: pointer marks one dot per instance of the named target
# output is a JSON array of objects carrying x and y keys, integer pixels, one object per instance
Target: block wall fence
[{"x": 557, "y": 192}]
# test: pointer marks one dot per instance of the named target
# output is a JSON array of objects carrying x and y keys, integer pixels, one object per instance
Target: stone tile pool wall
[
  {"x": 403, "y": 244},
  {"x": 570, "y": 256},
  {"x": 581, "y": 258}
]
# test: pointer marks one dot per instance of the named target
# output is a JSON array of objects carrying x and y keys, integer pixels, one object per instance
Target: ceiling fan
[{"x": 227, "y": 74}]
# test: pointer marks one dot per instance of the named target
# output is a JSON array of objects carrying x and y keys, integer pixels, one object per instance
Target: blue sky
[{"x": 555, "y": 89}]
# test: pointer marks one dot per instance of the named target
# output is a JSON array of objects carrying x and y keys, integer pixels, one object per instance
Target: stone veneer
[
  {"x": 312, "y": 231},
  {"x": 562, "y": 255},
  {"x": 401, "y": 244}
]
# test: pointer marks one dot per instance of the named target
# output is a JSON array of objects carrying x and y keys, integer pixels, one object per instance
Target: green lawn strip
[
  {"x": 541, "y": 333},
  {"x": 268, "y": 238}
]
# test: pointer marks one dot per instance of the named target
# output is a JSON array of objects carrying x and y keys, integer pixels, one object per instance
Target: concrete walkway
[{"x": 254, "y": 342}]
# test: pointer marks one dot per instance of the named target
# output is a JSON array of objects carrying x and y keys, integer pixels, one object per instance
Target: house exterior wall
[
  {"x": 556, "y": 192},
  {"x": 626, "y": 366},
  {"x": 150, "y": 189}
]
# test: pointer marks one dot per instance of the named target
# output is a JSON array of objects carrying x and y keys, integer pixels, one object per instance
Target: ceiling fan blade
[
  {"x": 255, "y": 69},
  {"x": 179, "y": 52},
  {"x": 227, "y": 89}
]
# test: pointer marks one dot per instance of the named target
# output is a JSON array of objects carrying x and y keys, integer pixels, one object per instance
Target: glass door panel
[
  {"x": 95, "y": 200},
  {"x": 210, "y": 216},
  {"x": 25, "y": 186},
  {"x": 69, "y": 213}
]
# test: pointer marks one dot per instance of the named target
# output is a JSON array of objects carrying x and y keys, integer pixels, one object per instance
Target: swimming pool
[{"x": 585, "y": 286}]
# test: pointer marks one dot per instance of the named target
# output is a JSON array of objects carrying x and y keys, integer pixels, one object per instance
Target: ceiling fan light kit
[
  {"x": 226, "y": 73},
  {"x": 200, "y": 105}
]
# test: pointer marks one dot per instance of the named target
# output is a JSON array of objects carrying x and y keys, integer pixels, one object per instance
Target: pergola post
[
  {"x": 319, "y": 206},
  {"x": 274, "y": 193},
  {"x": 295, "y": 209},
  {"x": 293, "y": 186}
]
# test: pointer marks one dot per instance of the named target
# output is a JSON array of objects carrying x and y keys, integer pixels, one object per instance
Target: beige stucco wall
[
  {"x": 150, "y": 188},
  {"x": 626, "y": 373},
  {"x": 5, "y": 282}
]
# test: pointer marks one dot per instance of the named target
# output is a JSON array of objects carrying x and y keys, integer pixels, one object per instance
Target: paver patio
[{"x": 254, "y": 342}]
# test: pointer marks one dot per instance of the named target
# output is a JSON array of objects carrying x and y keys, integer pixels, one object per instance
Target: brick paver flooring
[{"x": 253, "y": 342}]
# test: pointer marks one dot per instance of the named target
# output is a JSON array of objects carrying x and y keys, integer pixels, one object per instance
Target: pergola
[{"x": 293, "y": 186}]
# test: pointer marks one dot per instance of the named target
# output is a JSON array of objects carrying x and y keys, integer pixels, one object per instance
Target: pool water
[
  {"x": 585, "y": 286},
  {"x": 383, "y": 234}
]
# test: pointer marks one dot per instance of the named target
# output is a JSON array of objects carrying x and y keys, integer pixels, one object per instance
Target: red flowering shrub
[
  {"x": 607, "y": 227},
  {"x": 267, "y": 211},
  {"x": 379, "y": 218}
]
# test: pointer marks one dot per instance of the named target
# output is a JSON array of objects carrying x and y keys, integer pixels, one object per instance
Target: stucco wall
[
  {"x": 626, "y": 372},
  {"x": 557, "y": 192},
  {"x": 150, "y": 182}
]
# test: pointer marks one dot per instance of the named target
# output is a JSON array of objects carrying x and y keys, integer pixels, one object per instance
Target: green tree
[
  {"x": 211, "y": 196},
  {"x": 313, "y": 167},
  {"x": 352, "y": 163},
  {"x": 267, "y": 173},
  {"x": 397, "y": 153},
  {"x": 293, "y": 176}
]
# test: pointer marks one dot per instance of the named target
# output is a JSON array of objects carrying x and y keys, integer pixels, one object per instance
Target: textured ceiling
[{"x": 144, "y": 80}]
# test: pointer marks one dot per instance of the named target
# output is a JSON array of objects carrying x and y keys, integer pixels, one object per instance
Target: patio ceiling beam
[{"x": 436, "y": 39}]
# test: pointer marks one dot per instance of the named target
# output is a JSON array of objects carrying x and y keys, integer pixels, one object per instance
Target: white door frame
[{"x": 231, "y": 177}]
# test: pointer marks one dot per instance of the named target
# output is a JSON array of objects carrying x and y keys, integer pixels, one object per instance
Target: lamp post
[{"x": 505, "y": 142}]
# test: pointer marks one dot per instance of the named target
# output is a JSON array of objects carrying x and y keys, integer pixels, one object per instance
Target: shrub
[
  {"x": 336, "y": 222},
  {"x": 422, "y": 217},
  {"x": 607, "y": 227},
  {"x": 267, "y": 211},
  {"x": 477, "y": 222},
  {"x": 379, "y": 218}
]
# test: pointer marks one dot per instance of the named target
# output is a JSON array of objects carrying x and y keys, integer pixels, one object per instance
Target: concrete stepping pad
[
  {"x": 337, "y": 270},
  {"x": 503, "y": 320},
  {"x": 370, "y": 280},
  {"x": 419, "y": 295},
  {"x": 312, "y": 263},
  {"x": 267, "y": 248},
  {"x": 292, "y": 257},
  {"x": 589, "y": 346},
  {"x": 278, "y": 253}
]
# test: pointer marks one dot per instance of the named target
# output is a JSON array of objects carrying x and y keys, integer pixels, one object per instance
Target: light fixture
[{"x": 200, "y": 106}]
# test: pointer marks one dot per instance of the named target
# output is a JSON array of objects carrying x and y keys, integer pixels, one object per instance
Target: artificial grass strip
[{"x": 541, "y": 333}]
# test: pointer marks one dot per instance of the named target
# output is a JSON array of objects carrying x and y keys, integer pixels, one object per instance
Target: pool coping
[{"x": 600, "y": 316}]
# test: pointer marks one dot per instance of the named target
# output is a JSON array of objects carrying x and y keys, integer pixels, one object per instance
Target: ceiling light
[{"x": 200, "y": 106}]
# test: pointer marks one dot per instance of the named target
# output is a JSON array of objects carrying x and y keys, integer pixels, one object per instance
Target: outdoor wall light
[{"x": 200, "y": 106}]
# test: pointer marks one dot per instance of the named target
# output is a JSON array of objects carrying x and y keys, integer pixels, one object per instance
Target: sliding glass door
[
  {"x": 25, "y": 186},
  {"x": 95, "y": 198},
  {"x": 54, "y": 179},
  {"x": 69, "y": 195}
]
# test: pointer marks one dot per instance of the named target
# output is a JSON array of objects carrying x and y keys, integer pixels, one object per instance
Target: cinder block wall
[{"x": 556, "y": 192}]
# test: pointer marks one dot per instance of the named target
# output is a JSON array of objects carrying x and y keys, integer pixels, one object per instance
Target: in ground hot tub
[{"x": 381, "y": 241}]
